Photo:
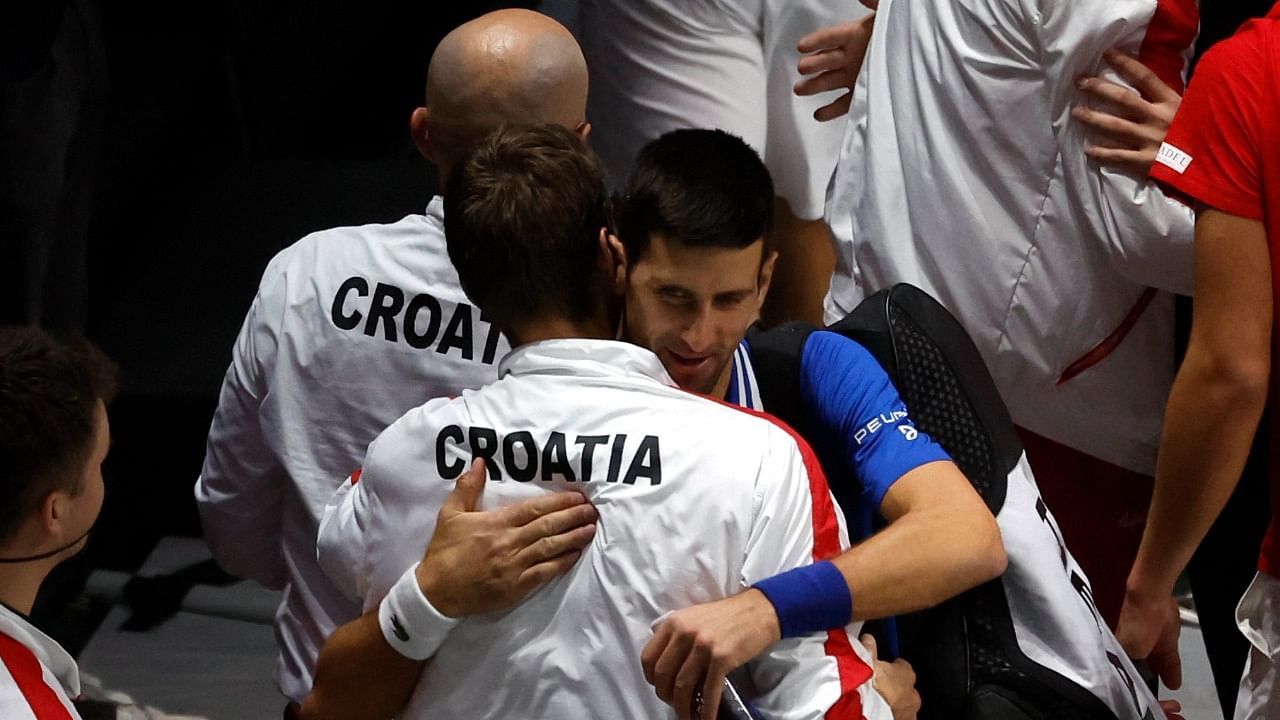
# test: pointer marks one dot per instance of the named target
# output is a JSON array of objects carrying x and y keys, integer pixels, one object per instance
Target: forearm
[
  {"x": 359, "y": 676},
  {"x": 1211, "y": 418},
  {"x": 917, "y": 563}
]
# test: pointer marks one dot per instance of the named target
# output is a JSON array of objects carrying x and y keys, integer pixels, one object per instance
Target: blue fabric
[
  {"x": 861, "y": 430},
  {"x": 809, "y": 599}
]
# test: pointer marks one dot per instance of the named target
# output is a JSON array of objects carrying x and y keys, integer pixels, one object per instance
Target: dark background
[{"x": 155, "y": 155}]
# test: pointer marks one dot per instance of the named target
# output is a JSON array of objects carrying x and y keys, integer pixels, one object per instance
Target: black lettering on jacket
[
  {"x": 342, "y": 320},
  {"x": 523, "y": 460},
  {"x": 389, "y": 314}
]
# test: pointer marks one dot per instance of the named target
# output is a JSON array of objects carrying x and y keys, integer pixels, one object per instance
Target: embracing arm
[
  {"x": 1213, "y": 413},
  {"x": 476, "y": 562},
  {"x": 941, "y": 540}
]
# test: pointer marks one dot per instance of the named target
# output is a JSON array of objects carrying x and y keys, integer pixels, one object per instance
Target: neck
[
  {"x": 721, "y": 389},
  {"x": 19, "y": 583},
  {"x": 559, "y": 328}
]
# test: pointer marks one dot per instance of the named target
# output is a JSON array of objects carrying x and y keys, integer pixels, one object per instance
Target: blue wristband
[{"x": 809, "y": 599}]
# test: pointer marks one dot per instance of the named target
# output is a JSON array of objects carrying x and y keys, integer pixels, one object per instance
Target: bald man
[{"x": 351, "y": 327}]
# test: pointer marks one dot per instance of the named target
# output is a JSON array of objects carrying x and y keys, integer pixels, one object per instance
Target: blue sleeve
[{"x": 860, "y": 416}]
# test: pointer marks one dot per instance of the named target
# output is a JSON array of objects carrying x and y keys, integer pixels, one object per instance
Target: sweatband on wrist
[
  {"x": 809, "y": 599},
  {"x": 408, "y": 620}
]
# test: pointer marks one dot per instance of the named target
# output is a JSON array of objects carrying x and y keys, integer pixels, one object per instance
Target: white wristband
[{"x": 409, "y": 622}]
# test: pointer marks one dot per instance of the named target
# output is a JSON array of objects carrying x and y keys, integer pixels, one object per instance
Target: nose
[{"x": 699, "y": 336}]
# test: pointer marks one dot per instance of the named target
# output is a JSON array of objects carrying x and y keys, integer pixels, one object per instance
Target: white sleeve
[
  {"x": 240, "y": 491},
  {"x": 340, "y": 543},
  {"x": 380, "y": 520},
  {"x": 797, "y": 522}
]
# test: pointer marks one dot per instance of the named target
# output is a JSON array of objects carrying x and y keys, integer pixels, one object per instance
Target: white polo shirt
[
  {"x": 351, "y": 327},
  {"x": 37, "y": 677},
  {"x": 696, "y": 501},
  {"x": 963, "y": 172}
]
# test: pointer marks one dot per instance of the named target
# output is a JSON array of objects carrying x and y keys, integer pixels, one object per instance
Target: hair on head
[
  {"x": 49, "y": 391},
  {"x": 699, "y": 187},
  {"x": 523, "y": 213}
]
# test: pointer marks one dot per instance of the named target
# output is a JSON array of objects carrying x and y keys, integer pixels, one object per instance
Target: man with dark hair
[
  {"x": 53, "y": 438},
  {"x": 697, "y": 501},
  {"x": 695, "y": 225}
]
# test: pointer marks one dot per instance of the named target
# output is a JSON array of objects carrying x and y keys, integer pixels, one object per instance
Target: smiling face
[{"x": 692, "y": 305}]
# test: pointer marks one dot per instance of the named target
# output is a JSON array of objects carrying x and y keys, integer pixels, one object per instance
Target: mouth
[{"x": 688, "y": 363}]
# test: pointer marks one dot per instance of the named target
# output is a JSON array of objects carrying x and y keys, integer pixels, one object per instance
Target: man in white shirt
[
  {"x": 351, "y": 327},
  {"x": 526, "y": 220},
  {"x": 963, "y": 172},
  {"x": 54, "y": 436}
]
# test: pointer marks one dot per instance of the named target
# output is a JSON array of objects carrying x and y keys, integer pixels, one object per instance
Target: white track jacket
[
  {"x": 351, "y": 328},
  {"x": 963, "y": 173},
  {"x": 38, "y": 678},
  {"x": 696, "y": 501}
]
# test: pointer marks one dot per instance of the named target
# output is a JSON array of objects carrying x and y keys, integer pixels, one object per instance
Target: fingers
[
  {"x": 712, "y": 688},
  {"x": 574, "y": 538},
  {"x": 1164, "y": 658},
  {"x": 827, "y": 61},
  {"x": 538, "y": 575},
  {"x": 827, "y": 38},
  {"x": 553, "y": 523},
  {"x": 530, "y": 510},
  {"x": 466, "y": 493},
  {"x": 1130, "y": 101},
  {"x": 1120, "y": 129},
  {"x": 688, "y": 681},
  {"x": 1141, "y": 76},
  {"x": 1136, "y": 161},
  {"x": 653, "y": 650},
  {"x": 668, "y": 665},
  {"x": 869, "y": 642},
  {"x": 835, "y": 109}
]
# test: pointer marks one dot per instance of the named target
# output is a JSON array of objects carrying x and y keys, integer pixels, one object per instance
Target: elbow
[{"x": 989, "y": 560}]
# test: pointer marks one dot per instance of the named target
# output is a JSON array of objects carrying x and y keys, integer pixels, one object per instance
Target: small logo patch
[
  {"x": 1173, "y": 158},
  {"x": 398, "y": 629}
]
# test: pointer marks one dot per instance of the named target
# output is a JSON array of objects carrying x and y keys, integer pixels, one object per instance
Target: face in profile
[{"x": 692, "y": 305}]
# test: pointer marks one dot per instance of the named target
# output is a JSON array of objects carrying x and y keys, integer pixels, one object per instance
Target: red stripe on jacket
[
  {"x": 826, "y": 545},
  {"x": 29, "y": 676}
]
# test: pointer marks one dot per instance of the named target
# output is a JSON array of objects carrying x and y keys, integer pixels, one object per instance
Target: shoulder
[{"x": 24, "y": 683}]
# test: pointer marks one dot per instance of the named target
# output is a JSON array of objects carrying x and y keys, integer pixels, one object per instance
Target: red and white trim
[{"x": 23, "y": 677}]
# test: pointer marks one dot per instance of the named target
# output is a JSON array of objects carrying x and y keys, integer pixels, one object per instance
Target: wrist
[
  {"x": 411, "y": 625},
  {"x": 435, "y": 591},
  {"x": 809, "y": 599},
  {"x": 761, "y": 614}
]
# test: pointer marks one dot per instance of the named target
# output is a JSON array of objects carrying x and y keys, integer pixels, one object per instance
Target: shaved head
[{"x": 506, "y": 66}]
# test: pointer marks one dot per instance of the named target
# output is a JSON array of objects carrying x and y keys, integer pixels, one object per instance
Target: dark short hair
[
  {"x": 522, "y": 215},
  {"x": 49, "y": 390},
  {"x": 703, "y": 188}
]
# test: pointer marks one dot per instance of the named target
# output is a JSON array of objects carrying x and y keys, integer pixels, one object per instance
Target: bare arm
[
  {"x": 941, "y": 540},
  {"x": 1213, "y": 413},
  {"x": 476, "y": 562}
]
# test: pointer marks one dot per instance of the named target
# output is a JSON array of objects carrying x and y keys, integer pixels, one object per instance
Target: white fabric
[
  {"x": 1051, "y": 603},
  {"x": 410, "y": 623},
  {"x": 659, "y": 65},
  {"x": 696, "y": 502},
  {"x": 1258, "y": 617},
  {"x": 58, "y": 669},
  {"x": 304, "y": 397},
  {"x": 963, "y": 172}
]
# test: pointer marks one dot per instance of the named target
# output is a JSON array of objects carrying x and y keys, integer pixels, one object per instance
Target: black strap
[{"x": 775, "y": 355}]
